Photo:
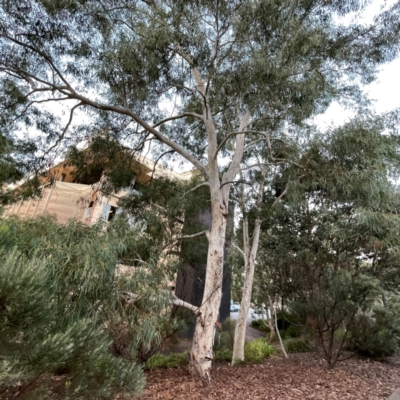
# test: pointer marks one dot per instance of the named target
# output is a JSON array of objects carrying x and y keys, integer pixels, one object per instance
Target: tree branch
[
  {"x": 187, "y": 114},
  {"x": 197, "y": 187},
  {"x": 240, "y": 250},
  {"x": 234, "y": 166},
  {"x": 230, "y": 134},
  {"x": 205, "y": 233},
  {"x": 125, "y": 111},
  {"x": 178, "y": 302},
  {"x": 72, "y": 94}
]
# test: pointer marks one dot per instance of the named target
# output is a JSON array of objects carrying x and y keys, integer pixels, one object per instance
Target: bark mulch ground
[{"x": 302, "y": 376}]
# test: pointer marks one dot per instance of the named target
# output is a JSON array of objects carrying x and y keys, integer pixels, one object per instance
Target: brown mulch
[{"x": 302, "y": 376}]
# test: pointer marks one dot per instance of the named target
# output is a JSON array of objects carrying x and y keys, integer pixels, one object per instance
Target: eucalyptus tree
[{"x": 199, "y": 81}]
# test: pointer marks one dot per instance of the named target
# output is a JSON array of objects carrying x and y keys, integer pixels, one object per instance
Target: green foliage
[
  {"x": 288, "y": 320},
  {"x": 10, "y": 169},
  {"x": 64, "y": 308},
  {"x": 224, "y": 338},
  {"x": 376, "y": 334},
  {"x": 331, "y": 304},
  {"x": 223, "y": 355},
  {"x": 38, "y": 335},
  {"x": 260, "y": 325},
  {"x": 294, "y": 331},
  {"x": 297, "y": 346},
  {"x": 329, "y": 248},
  {"x": 173, "y": 360},
  {"x": 258, "y": 350}
]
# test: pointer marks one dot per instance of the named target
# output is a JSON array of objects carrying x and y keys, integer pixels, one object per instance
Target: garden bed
[{"x": 302, "y": 376}]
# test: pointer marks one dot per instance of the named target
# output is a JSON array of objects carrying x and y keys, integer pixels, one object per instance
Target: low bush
[
  {"x": 376, "y": 335},
  {"x": 223, "y": 355},
  {"x": 224, "y": 338},
  {"x": 65, "y": 309},
  {"x": 173, "y": 360},
  {"x": 294, "y": 331},
  {"x": 296, "y": 346},
  {"x": 258, "y": 350}
]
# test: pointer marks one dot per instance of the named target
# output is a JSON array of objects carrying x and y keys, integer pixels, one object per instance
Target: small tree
[{"x": 338, "y": 215}]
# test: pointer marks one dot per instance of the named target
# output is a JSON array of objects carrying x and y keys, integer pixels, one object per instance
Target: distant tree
[
  {"x": 10, "y": 170},
  {"x": 233, "y": 72}
]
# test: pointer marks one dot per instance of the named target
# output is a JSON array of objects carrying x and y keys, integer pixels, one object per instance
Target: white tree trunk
[
  {"x": 250, "y": 259},
  {"x": 207, "y": 314}
]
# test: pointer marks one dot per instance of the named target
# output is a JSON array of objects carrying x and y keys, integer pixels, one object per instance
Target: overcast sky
[{"x": 385, "y": 92}]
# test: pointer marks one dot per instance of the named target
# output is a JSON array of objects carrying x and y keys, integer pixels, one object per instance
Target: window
[{"x": 111, "y": 213}]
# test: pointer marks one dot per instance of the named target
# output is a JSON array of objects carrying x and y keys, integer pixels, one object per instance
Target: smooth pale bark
[
  {"x": 279, "y": 335},
  {"x": 250, "y": 259},
  {"x": 207, "y": 314}
]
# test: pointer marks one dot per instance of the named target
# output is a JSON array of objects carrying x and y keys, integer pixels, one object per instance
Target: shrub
[
  {"x": 329, "y": 306},
  {"x": 173, "y": 360},
  {"x": 294, "y": 331},
  {"x": 260, "y": 325},
  {"x": 224, "y": 338},
  {"x": 65, "y": 310},
  {"x": 36, "y": 336},
  {"x": 297, "y": 346},
  {"x": 258, "y": 350},
  {"x": 223, "y": 355},
  {"x": 287, "y": 318},
  {"x": 376, "y": 335}
]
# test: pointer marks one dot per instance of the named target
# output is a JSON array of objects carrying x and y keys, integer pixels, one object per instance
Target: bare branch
[
  {"x": 234, "y": 166},
  {"x": 65, "y": 128},
  {"x": 196, "y": 187},
  {"x": 132, "y": 297},
  {"x": 178, "y": 302},
  {"x": 279, "y": 198},
  {"x": 125, "y": 111},
  {"x": 230, "y": 134},
  {"x": 205, "y": 233},
  {"x": 187, "y": 114},
  {"x": 239, "y": 249},
  {"x": 72, "y": 94},
  {"x": 158, "y": 159}
]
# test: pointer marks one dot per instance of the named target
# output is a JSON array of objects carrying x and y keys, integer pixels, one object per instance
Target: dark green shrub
[
  {"x": 287, "y": 318},
  {"x": 296, "y": 346},
  {"x": 293, "y": 331},
  {"x": 223, "y": 355},
  {"x": 65, "y": 310},
  {"x": 173, "y": 360},
  {"x": 284, "y": 335},
  {"x": 376, "y": 335}
]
